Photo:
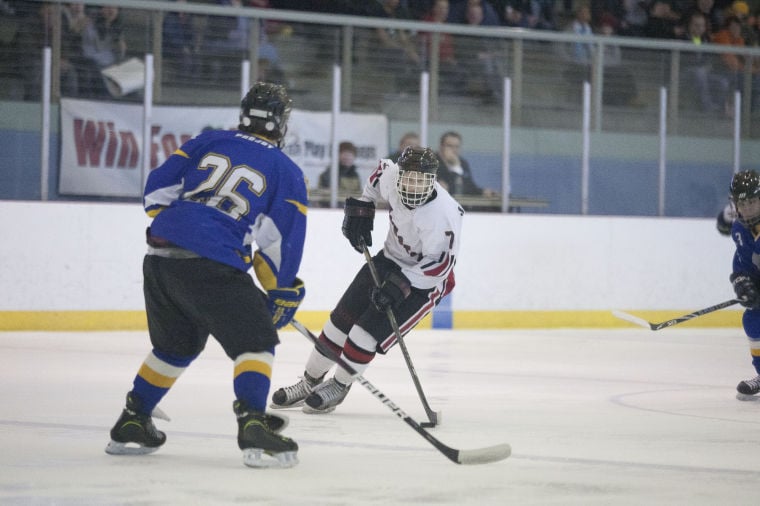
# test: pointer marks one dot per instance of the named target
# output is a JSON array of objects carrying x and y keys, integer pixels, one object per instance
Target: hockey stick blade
[
  {"x": 435, "y": 420},
  {"x": 476, "y": 456},
  {"x": 674, "y": 321},
  {"x": 633, "y": 319}
]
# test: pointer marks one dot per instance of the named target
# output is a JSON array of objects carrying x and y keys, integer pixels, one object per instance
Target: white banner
[
  {"x": 101, "y": 143},
  {"x": 308, "y": 141}
]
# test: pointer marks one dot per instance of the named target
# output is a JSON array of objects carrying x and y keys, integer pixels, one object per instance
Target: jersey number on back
[{"x": 224, "y": 183}]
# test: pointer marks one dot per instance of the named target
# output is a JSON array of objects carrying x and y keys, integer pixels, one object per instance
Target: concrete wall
[{"x": 78, "y": 265}]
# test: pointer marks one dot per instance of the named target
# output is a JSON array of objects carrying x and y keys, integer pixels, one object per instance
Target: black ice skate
[
  {"x": 134, "y": 432},
  {"x": 259, "y": 438},
  {"x": 325, "y": 397},
  {"x": 748, "y": 389},
  {"x": 294, "y": 395}
]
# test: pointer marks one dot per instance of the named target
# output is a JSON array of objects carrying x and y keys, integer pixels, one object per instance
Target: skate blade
[
  {"x": 746, "y": 397},
  {"x": 258, "y": 458},
  {"x": 116, "y": 448},
  {"x": 314, "y": 411},
  {"x": 296, "y": 404}
]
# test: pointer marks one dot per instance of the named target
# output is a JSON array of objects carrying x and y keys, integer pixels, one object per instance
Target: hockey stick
[
  {"x": 674, "y": 321},
  {"x": 433, "y": 416},
  {"x": 478, "y": 456}
]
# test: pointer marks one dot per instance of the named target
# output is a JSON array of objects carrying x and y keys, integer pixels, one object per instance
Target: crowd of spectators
[
  {"x": 93, "y": 38},
  {"x": 639, "y": 18},
  {"x": 729, "y": 22}
]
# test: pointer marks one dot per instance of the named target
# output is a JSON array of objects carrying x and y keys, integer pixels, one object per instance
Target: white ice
[{"x": 594, "y": 417}]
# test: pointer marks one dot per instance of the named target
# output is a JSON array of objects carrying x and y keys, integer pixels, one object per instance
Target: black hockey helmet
[
  {"x": 745, "y": 195},
  {"x": 419, "y": 159},
  {"x": 265, "y": 110},
  {"x": 418, "y": 167}
]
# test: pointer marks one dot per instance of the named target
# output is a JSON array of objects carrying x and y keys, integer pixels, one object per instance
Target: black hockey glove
[
  {"x": 283, "y": 302},
  {"x": 358, "y": 221},
  {"x": 746, "y": 291},
  {"x": 395, "y": 288}
]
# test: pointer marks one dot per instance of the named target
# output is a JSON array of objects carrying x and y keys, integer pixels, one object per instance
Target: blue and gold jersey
[
  {"x": 224, "y": 190},
  {"x": 747, "y": 255}
]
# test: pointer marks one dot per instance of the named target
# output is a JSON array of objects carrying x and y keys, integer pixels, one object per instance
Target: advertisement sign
[{"x": 101, "y": 143}]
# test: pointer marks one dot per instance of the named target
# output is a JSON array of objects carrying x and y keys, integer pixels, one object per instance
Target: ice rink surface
[{"x": 594, "y": 417}]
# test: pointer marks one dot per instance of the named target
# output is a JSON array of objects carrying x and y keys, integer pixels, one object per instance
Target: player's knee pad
[
  {"x": 335, "y": 335},
  {"x": 362, "y": 339}
]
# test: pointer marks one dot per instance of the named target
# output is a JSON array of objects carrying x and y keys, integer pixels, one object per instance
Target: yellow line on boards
[
  {"x": 583, "y": 319},
  {"x": 136, "y": 320}
]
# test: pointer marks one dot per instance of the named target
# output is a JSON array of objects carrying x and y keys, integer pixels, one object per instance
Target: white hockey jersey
[{"x": 423, "y": 241}]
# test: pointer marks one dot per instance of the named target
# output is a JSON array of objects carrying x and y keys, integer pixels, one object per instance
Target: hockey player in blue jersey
[
  {"x": 745, "y": 195},
  {"x": 212, "y": 199}
]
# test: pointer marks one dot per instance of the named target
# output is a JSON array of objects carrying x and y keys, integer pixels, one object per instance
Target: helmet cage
[
  {"x": 415, "y": 187},
  {"x": 745, "y": 195},
  {"x": 417, "y": 168}
]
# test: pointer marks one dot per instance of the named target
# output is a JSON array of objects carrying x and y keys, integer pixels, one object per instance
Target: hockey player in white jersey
[{"x": 415, "y": 266}]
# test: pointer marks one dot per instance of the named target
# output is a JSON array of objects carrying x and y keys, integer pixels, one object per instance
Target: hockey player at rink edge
[
  {"x": 745, "y": 276},
  {"x": 415, "y": 265},
  {"x": 210, "y": 201}
]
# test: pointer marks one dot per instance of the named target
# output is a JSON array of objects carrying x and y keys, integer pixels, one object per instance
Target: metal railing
[{"x": 301, "y": 50}]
